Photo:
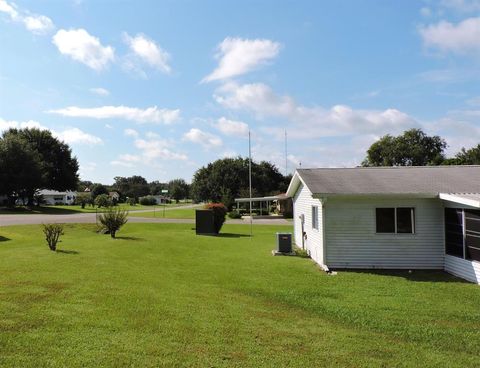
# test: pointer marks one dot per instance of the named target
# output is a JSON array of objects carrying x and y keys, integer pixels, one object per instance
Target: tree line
[{"x": 415, "y": 148}]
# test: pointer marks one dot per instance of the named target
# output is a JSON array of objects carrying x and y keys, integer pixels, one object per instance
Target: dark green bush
[
  {"x": 132, "y": 201},
  {"x": 219, "y": 214},
  {"x": 52, "y": 234},
  {"x": 112, "y": 220},
  {"x": 235, "y": 215},
  {"x": 148, "y": 200},
  {"x": 103, "y": 200}
]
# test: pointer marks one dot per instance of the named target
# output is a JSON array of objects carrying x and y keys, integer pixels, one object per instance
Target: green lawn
[
  {"x": 64, "y": 209},
  {"x": 161, "y": 296},
  {"x": 173, "y": 213}
]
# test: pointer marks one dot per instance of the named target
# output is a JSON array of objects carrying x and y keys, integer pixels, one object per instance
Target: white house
[
  {"x": 390, "y": 217},
  {"x": 53, "y": 197}
]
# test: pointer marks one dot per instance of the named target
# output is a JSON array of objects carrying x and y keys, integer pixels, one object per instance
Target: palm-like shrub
[
  {"x": 52, "y": 234},
  {"x": 113, "y": 219},
  {"x": 219, "y": 213}
]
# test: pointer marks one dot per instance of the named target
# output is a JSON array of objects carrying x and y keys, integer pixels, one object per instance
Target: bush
[
  {"x": 52, "y": 234},
  {"x": 148, "y": 200},
  {"x": 112, "y": 220},
  {"x": 219, "y": 213},
  {"x": 235, "y": 215},
  {"x": 83, "y": 199},
  {"x": 103, "y": 200},
  {"x": 132, "y": 201}
]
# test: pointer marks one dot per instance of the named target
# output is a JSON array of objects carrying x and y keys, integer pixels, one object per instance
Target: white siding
[
  {"x": 302, "y": 204},
  {"x": 468, "y": 270},
  {"x": 352, "y": 241}
]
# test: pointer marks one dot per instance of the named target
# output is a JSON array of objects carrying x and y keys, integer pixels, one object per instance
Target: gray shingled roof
[{"x": 393, "y": 180}]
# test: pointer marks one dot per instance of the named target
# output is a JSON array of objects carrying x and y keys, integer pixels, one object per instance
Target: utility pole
[
  {"x": 250, "y": 180},
  {"x": 286, "y": 160}
]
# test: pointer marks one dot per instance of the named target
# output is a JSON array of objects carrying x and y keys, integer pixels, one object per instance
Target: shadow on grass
[
  {"x": 42, "y": 210},
  {"x": 412, "y": 275},
  {"x": 232, "y": 235},
  {"x": 2, "y": 239},
  {"x": 133, "y": 238},
  {"x": 65, "y": 251}
]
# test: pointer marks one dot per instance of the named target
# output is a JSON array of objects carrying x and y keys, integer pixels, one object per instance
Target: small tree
[
  {"x": 52, "y": 234},
  {"x": 113, "y": 219},
  {"x": 219, "y": 214},
  {"x": 103, "y": 200},
  {"x": 83, "y": 199}
]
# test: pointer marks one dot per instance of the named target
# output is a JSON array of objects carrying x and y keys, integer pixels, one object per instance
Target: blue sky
[{"x": 161, "y": 88}]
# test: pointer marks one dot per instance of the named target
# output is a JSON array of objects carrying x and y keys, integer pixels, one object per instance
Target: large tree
[
  {"x": 178, "y": 189},
  {"x": 412, "y": 148},
  {"x": 20, "y": 168},
  {"x": 224, "y": 180},
  {"x": 58, "y": 167},
  {"x": 132, "y": 187}
]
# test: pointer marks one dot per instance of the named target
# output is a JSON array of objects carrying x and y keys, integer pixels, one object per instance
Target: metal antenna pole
[
  {"x": 286, "y": 160},
  {"x": 250, "y": 180}
]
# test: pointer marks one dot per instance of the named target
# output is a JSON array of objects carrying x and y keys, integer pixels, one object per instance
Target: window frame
[
  {"x": 413, "y": 219},
  {"x": 315, "y": 222}
]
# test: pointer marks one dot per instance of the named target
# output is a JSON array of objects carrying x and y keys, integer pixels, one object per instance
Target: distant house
[
  {"x": 394, "y": 217},
  {"x": 161, "y": 199},
  {"x": 114, "y": 196},
  {"x": 53, "y": 197}
]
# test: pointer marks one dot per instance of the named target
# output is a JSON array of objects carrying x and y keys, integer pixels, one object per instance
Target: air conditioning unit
[{"x": 284, "y": 242}]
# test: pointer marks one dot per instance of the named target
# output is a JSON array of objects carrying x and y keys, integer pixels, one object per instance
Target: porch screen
[
  {"x": 454, "y": 232},
  {"x": 472, "y": 235}
]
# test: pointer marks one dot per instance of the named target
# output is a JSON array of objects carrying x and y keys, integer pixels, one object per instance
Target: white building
[
  {"x": 393, "y": 217},
  {"x": 52, "y": 197}
]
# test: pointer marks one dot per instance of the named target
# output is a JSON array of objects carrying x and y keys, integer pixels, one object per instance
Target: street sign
[{"x": 164, "y": 190}]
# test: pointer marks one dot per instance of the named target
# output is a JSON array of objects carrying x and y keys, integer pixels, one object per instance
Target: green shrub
[
  {"x": 132, "y": 201},
  {"x": 235, "y": 215},
  {"x": 83, "y": 199},
  {"x": 219, "y": 213},
  {"x": 112, "y": 220},
  {"x": 52, "y": 234},
  {"x": 103, "y": 200},
  {"x": 148, "y": 200},
  {"x": 299, "y": 252}
]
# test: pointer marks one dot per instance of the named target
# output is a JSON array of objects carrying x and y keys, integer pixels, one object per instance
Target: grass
[
  {"x": 160, "y": 296},
  {"x": 173, "y": 213}
]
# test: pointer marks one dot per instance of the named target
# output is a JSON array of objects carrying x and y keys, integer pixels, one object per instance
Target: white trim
[{"x": 461, "y": 199}]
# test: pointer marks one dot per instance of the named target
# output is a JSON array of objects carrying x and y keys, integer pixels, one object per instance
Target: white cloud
[
  {"x": 460, "y": 38},
  {"x": 316, "y": 121},
  {"x": 205, "y": 139},
  {"x": 77, "y": 136},
  {"x": 239, "y": 56},
  {"x": 100, "y": 91},
  {"x": 148, "y": 115},
  {"x": 35, "y": 23},
  {"x": 157, "y": 149},
  {"x": 145, "y": 50},
  {"x": 131, "y": 133},
  {"x": 83, "y": 47},
  {"x": 232, "y": 127},
  {"x": 462, "y": 6},
  {"x": 70, "y": 135},
  {"x": 8, "y": 124}
]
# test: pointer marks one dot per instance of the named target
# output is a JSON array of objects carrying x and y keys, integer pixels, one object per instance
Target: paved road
[{"x": 6, "y": 220}]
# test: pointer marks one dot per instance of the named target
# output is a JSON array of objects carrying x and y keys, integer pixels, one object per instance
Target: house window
[
  {"x": 400, "y": 220},
  {"x": 315, "y": 217}
]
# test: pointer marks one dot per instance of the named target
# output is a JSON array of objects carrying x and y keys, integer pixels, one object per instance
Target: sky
[{"x": 162, "y": 88}]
